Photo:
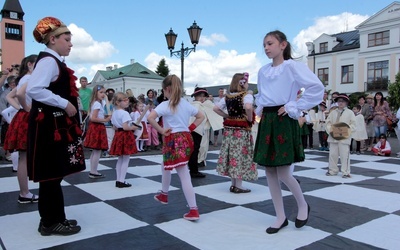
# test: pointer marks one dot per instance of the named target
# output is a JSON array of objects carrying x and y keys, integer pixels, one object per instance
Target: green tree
[
  {"x": 394, "y": 93},
  {"x": 354, "y": 98},
  {"x": 162, "y": 68}
]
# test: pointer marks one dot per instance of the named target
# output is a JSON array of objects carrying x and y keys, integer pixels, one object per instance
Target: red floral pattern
[
  {"x": 177, "y": 149},
  {"x": 236, "y": 155},
  {"x": 17, "y": 133}
]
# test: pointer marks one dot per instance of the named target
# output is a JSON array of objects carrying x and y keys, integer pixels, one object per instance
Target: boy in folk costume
[
  {"x": 199, "y": 97},
  {"x": 343, "y": 119},
  {"x": 212, "y": 120},
  {"x": 55, "y": 145}
]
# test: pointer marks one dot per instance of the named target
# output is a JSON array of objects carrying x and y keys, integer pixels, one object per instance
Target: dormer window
[{"x": 323, "y": 47}]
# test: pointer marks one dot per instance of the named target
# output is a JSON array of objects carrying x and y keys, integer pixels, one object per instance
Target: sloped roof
[
  {"x": 132, "y": 70},
  {"x": 12, "y": 5},
  {"x": 347, "y": 40}
]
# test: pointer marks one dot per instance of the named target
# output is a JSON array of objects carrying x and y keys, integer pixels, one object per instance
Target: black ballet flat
[
  {"x": 301, "y": 223},
  {"x": 273, "y": 230},
  {"x": 237, "y": 190}
]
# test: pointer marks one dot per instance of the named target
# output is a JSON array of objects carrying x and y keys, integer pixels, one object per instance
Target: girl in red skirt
[
  {"x": 96, "y": 136},
  {"x": 178, "y": 142},
  {"x": 123, "y": 144},
  {"x": 16, "y": 137},
  {"x": 141, "y": 135}
]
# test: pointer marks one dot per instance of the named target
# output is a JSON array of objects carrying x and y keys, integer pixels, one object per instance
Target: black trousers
[
  {"x": 51, "y": 202},
  {"x": 193, "y": 168}
]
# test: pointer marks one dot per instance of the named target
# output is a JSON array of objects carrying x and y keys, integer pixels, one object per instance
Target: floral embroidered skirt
[
  {"x": 177, "y": 149},
  {"x": 236, "y": 154},
  {"x": 96, "y": 136},
  {"x": 17, "y": 133},
  {"x": 123, "y": 143},
  {"x": 278, "y": 141}
]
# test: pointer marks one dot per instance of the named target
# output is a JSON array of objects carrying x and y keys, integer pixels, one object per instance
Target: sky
[{"x": 108, "y": 33}]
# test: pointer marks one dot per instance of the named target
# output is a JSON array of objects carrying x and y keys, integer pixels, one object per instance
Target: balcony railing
[{"x": 377, "y": 86}]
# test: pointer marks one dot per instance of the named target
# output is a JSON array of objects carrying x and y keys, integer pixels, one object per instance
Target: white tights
[
  {"x": 94, "y": 161},
  {"x": 276, "y": 175},
  {"x": 122, "y": 167},
  {"x": 186, "y": 182}
]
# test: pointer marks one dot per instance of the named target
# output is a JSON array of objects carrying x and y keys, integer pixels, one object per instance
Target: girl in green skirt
[{"x": 278, "y": 143}]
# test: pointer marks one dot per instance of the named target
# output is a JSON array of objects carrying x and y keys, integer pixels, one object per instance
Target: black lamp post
[{"x": 194, "y": 33}]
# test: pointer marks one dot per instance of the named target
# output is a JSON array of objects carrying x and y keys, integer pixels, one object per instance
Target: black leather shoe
[
  {"x": 231, "y": 189},
  {"x": 201, "y": 164},
  {"x": 237, "y": 190},
  {"x": 272, "y": 230},
  {"x": 119, "y": 184},
  {"x": 197, "y": 175},
  {"x": 301, "y": 223}
]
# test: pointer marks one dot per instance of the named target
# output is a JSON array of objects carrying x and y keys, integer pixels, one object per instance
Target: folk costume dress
[
  {"x": 178, "y": 146},
  {"x": 96, "y": 136},
  {"x": 278, "y": 140},
  {"x": 236, "y": 154},
  {"x": 17, "y": 133},
  {"x": 124, "y": 142},
  {"x": 55, "y": 145}
]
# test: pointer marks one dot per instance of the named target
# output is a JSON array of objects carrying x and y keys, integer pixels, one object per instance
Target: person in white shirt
[
  {"x": 382, "y": 147},
  {"x": 178, "y": 142},
  {"x": 340, "y": 146},
  {"x": 55, "y": 145},
  {"x": 278, "y": 142}
]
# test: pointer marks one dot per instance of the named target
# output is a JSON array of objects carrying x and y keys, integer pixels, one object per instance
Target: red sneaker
[
  {"x": 192, "y": 215},
  {"x": 161, "y": 197}
]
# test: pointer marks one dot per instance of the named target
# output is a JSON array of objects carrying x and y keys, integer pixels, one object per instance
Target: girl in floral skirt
[
  {"x": 178, "y": 142},
  {"x": 236, "y": 154}
]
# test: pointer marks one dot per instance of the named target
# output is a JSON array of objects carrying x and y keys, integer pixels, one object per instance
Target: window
[
  {"x": 377, "y": 39},
  {"x": 323, "y": 47},
  {"x": 323, "y": 75},
  {"x": 13, "y": 31},
  {"x": 378, "y": 75},
  {"x": 347, "y": 74}
]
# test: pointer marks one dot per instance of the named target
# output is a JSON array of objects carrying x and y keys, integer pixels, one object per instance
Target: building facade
[
  {"x": 363, "y": 60},
  {"x": 12, "y": 38},
  {"x": 134, "y": 76}
]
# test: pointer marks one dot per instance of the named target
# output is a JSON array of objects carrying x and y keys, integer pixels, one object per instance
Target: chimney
[
  {"x": 310, "y": 47},
  {"x": 115, "y": 66},
  {"x": 132, "y": 61},
  {"x": 108, "y": 68}
]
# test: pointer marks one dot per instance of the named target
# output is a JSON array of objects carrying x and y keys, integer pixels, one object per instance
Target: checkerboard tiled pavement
[{"x": 362, "y": 212}]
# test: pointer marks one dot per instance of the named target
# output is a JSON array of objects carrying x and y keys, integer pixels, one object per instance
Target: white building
[
  {"x": 134, "y": 76},
  {"x": 362, "y": 60}
]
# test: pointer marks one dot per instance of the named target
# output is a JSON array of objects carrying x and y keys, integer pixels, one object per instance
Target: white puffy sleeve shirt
[
  {"x": 45, "y": 72},
  {"x": 279, "y": 85}
]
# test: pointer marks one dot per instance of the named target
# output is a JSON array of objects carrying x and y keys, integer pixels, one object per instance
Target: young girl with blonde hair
[
  {"x": 124, "y": 143},
  {"x": 178, "y": 142}
]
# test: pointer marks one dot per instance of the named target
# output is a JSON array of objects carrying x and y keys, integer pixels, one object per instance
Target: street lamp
[{"x": 194, "y": 34}]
